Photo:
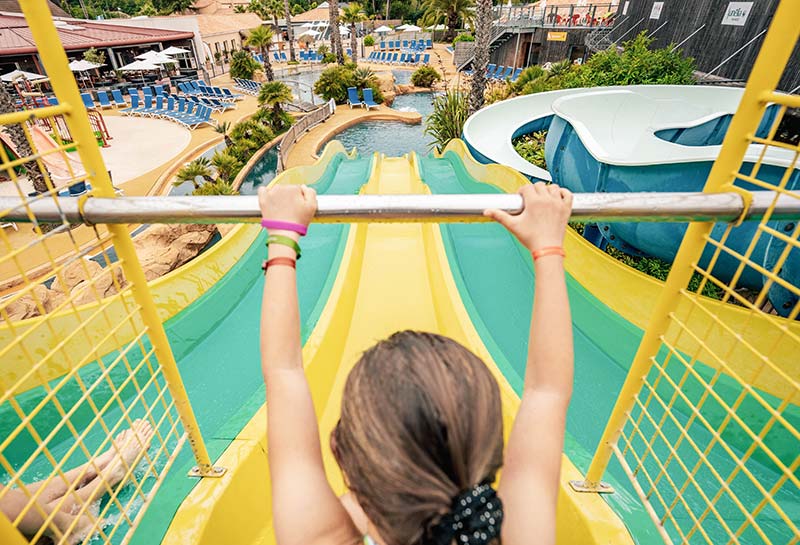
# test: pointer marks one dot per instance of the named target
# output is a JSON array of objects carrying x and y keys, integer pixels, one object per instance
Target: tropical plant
[
  {"x": 560, "y": 68},
  {"x": 226, "y": 164},
  {"x": 529, "y": 74},
  {"x": 352, "y": 15},
  {"x": 369, "y": 41},
  {"x": 95, "y": 56},
  {"x": 450, "y": 12},
  {"x": 273, "y": 94},
  {"x": 446, "y": 122},
  {"x": 531, "y": 147},
  {"x": 266, "y": 9},
  {"x": 287, "y": 13},
  {"x": 364, "y": 77},
  {"x": 217, "y": 187},
  {"x": 191, "y": 171},
  {"x": 336, "y": 36},
  {"x": 240, "y": 9},
  {"x": 463, "y": 37},
  {"x": 334, "y": 81},
  {"x": 483, "y": 27},
  {"x": 425, "y": 76},
  {"x": 224, "y": 127},
  {"x": 260, "y": 38},
  {"x": 147, "y": 9},
  {"x": 323, "y": 50},
  {"x": 243, "y": 66}
]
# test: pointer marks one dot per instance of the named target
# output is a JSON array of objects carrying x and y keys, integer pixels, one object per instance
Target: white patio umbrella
[
  {"x": 343, "y": 29},
  {"x": 140, "y": 66},
  {"x": 401, "y": 27},
  {"x": 15, "y": 74},
  {"x": 83, "y": 65},
  {"x": 312, "y": 33},
  {"x": 412, "y": 28},
  {"x": 383, "y": 29},
  {"x": 156, "y": 57},
  {"x": 436, "y": 27},
  {"x": 172, "y": 50}
]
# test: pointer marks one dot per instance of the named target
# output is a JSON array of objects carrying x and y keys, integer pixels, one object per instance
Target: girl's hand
[
  {"x": 543, "y": 221},
  {"x": 293, "y": 203}
]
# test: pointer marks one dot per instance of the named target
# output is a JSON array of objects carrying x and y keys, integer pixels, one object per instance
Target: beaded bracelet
[
  {"x": 548, "y": 250},
  {"x": 284, "y": 241},
  {"x": 286, "y": 261},
  {"x": 285, "y": 226}
]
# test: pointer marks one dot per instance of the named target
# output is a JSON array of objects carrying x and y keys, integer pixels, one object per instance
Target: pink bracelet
[{"x": 285, "y": 226}]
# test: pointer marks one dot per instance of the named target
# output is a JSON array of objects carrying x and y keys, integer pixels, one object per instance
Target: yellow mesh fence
[
  {"x": 707, "y": 426},
  {"x": 92, "y": 410}
]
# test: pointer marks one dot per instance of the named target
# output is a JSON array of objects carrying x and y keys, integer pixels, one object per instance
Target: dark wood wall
[
  {"x": 715, "y": 41},
  {"x": 543, "y": 49}
]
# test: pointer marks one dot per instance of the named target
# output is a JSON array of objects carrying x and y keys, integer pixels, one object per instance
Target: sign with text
[
  {"x": 556, "y": 36},
  {"x": 736, "y": 14},
  {"x": 655, "y": 13}
]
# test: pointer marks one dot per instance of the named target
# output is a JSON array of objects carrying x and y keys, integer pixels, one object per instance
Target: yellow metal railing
[
  {"x": 92, "y": 407},
  {"x": 714, "y": 459}
]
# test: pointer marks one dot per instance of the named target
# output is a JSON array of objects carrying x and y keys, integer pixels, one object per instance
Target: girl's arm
[
  {"x": 305, "y": 509},
  {"x": 529, "y": 486}
]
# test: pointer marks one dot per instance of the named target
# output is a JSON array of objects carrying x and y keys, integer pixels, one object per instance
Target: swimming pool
[
  {"x": 393, "y": 138},
  {"x": 263, "y": 171},
  {"x": 402, "y": 77}
]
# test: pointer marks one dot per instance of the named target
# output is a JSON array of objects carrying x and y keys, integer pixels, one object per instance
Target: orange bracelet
[
  {"x": 548, "y": 250},
  {"x": 287, "y": 261}
]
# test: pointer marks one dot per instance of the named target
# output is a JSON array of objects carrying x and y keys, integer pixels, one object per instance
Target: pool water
[
  {"x": 265, "y": 169},
  {"x": 302, "y": 85},
  {"x": 402, "y": 77},
  {"x": 394, "y": 138}
]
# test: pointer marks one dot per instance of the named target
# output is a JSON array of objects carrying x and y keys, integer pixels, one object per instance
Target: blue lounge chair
[
  {"x": 391, "y": 45},
  {"x": 429, "y": 44},
  {"x": 283, "y": 57},
  {"x": 417, "y": 57},
  {"x": 159, "y": 90},
  {"x": 147, "y": 91},
  {"x": 132, "y": 91},
  {"x": 102, "y": 98},
  {"x": 87, "y": 99},
  {"x": 507, "y": 74},
  {"x": 490, "y": 70},
  {"x": 157, "y": 107},
  {"x": 426, "y": 58},
  {"x": 119, "y": 100},
  {"x": 369, "y": 101},
  {"x": 383, "y": 46},
  {"x": 394, "y": 58},
  {"x": 493, "y": 75},
  {"x": 405, "y": 44},
  {"x": 352, "y": 98},
  {"x": 227, "y": 93},
  {"x": 516, "y": 74},
  {"x": 349, "y": 52},
  {"x": 403, "y": 58},
  {"x": 275, "y": 56},
  {"x": 134, "y": 105}
]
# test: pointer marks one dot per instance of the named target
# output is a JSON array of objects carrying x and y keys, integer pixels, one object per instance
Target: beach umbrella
[
  {"x": 30, "y": 76},
  {"x": 137, "y": 66},
  {"x": 83, "y": 66},
  {"x": 383, "y": 29},
  {"x": 436, "y": 27},
  {"x": 311, "y": 33},
  {"x": 343, "y": 29},
  {"x": 401, "y": 27},
  {"x": 156, "y": 57},
  {"x": 411, "y": 28},
  {"x": 172, "y": 50}
]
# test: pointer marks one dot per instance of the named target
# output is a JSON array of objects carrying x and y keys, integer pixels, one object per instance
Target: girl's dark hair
[{"x": 421, "y": 425}]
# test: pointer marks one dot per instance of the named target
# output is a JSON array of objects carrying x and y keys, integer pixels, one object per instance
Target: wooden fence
[{"x": 300, "y": 127}]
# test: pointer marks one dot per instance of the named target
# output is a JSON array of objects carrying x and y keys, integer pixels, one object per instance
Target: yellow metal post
[
  {"x": 767, "y": 70},
  {"x": 55, "y": 63}
]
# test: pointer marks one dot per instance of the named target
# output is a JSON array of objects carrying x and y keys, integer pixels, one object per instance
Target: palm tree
[
  {"x": 200, "y": 167},
  {"x": 287, "y": 14},
  {"x": 260, "y": 38},
  {"x": 483, "y": 26},
  {"x": 351, "y": 15},
  {"x": 227, "y": 165},
  {"x": 223, "y": 129},
  {"x": 274, "y": 94},
  {"x": 17, "y": 135},
  {"x": 336, "y": 37},
  {"x": 449, "y": 11}
]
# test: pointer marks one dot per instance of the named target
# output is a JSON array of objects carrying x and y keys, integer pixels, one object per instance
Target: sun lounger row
[
  {"x": 247, "y": 86},
  {"x": 404, "y": 58},
  {"x": 416, "y": 45},
  {"x": 310, "y": 56},
  {"x": 368, "y": 100},
  {"x": 199, "y": 88},
  {"x": 279, "y": 56},
  {"x": 182, "y": 110},
  {"x": 500, "y": 73}
]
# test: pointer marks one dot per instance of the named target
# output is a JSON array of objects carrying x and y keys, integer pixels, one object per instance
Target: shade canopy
[
  {"x": 156, "y": 57},
  {"x": 382, "y": 29},
  {"x": 401, "y": 27},
  {"x": 436, "y": 27},
  {"x": 16, "y": 74},
  {"x": 343, "y": 29},
  {"x": 412, "y": 28},
  {"x": 312, "y": 33},
  {"x": 136, "y": 66},
  {"x": 83, "y": 65},
  {"x": 172, "y": 50}
]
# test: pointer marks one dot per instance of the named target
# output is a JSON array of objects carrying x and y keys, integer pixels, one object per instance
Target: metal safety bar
[{"x": 676, "y": 207}]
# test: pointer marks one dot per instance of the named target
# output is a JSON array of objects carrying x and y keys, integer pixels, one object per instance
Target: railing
[
  {"x": 302, "y": 125},
  {"x": 572, "y": 15}
]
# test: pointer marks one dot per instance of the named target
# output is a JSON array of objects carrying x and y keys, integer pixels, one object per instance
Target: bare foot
[{"x": 129, "y": 446}]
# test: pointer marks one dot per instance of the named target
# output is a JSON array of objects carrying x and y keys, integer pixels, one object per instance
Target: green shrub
[
  {"x": 329, "y": 58},
  {"x": 463, "y": 37},
  {"x": 334, "y": 81},
  {"x": 369, "y": 41},
  {"x": 529, "y": 74},
  {"x": 425, "y": 76},
  {"x": 243, "y": 66},
  {"x": 446, "y": 122},
  {"x": 292, "y": 63},
  {"x": 217, "y": 187},
  {"x": 531, "y": 148}
]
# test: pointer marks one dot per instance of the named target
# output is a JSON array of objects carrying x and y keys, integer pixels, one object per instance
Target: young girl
[{"x": 420, "y": 437}]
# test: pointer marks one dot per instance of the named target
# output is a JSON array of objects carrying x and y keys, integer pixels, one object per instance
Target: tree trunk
[
  {"x": 289, "y": 32},
  {"x": 452, "y": 23},
  {"x": 267, "y": 64},
  {"x": 336, "y": 37},
  {"x": 388, "y": 3},
  {"x": 17, "y": 136},
  {"x": 353, "y": 42},
  {"x": 483, "y": 25}
]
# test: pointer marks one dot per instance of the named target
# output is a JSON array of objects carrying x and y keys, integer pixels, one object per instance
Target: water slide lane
[
  {"x": 215, "y": 341},
  {"x": 392, "y": 277},
  {"x": 605, "y": 343}
]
